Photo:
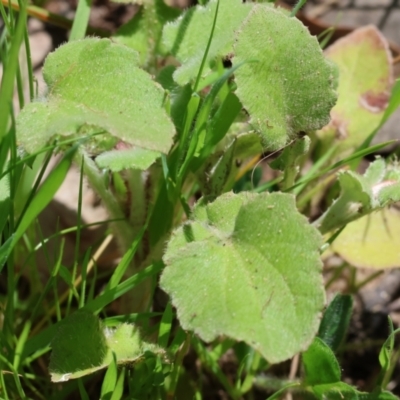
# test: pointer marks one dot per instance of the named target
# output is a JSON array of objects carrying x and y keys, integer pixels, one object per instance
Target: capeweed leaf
[
  {"x": 94, "y": 85},
  {"x": 247, "y": 266},
  {"x": 285, "y": 83},
  {"x": 83, "y": 345}
]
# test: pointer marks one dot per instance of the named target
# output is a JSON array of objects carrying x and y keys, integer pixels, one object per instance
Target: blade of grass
[
  {"x": 54, "y": 19},
  {"x": 46, "y": 192},
  {"x": 42, "y": 340},
  {"x": 203, "y": 61},
  {"x": 10, "y": 70},
  {"x": 341, "y": 163},
  {"x": 64, "y": 296},
  {"x": 165, "y": 326},
  {"x": 81, "y": 20},
  {"x": 297, "y": 7}
]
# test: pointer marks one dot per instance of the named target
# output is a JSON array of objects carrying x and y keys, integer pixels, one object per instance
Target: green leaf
[
  {"x": 95, "y": 85},
  {"x": 335, "y": 391},
  {"x": 79, "y": 345},
  {"x": 82, "y": 346},
  {"x": 188, "y": 36},
  {"x": 217, "y": 171},
  {"x": 286, "y": 85},
  {"x": 109, "y": 381},
  {"x": 320, "y": 364},
  {"x": 143, "y": 32},
  {"x": 372, "y": 241},
  {"x": 247, "y": 266},
  {"x": 42, "y": 198},
  {"x": 336, "y": 320},
  {"x": 5, "y": 201},
  {"x": 377, "y": 395},
  {"x": 366, "y": 76},
  {"x": 117, "y": 160},
  {"x": 362, "y": 194}
]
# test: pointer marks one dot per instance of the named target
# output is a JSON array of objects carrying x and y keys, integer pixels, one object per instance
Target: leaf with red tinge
[{"x": 365, "y": 80}]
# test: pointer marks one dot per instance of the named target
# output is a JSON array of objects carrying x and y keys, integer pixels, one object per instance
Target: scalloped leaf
[
  {"x": 187, "y": 37},
  {"x": 247, "y": 266},
  {"x": 83, "y": 345},
  {"x": 361, "y": 195},
  {"x": 286, "y": 84},
  {"x": 94, "y": 85}
]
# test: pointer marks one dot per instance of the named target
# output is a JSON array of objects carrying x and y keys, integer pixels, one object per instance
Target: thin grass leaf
[
  {"x": 46, "y": 192},
  {"x": 297, "y": 7},
  {"x": 165, "y": 326},
  {"x": 42, "y": 340},
  {"x": 203, "y": 61},
  {"x": 10, "y": 70},
  {"x": 110, "y": 380},
  {"x": 356, "y": 155},
  {"x": 82, "y": 391},
  {"x": 21, "y": 343},
  {"x": 81, "y": 20},
  {"x": 119, "y": 387}
]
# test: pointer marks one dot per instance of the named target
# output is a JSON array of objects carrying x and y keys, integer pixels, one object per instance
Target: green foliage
[
  {"x": 83, "y": 345},
  {"x": 335, "y": 321},
  {"x": 362, "y": 194},
  {"x": 95, "y": 86},
  {"x": 364, "y": 63},
  {"x": 165, "y": 120},
  {"x": 188, "y": 36},
  {"x": 300, "y": 95},
  {"x": 251, "y": 277}
]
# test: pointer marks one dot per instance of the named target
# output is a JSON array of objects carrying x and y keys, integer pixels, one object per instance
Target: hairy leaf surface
[
  {"x": 248, "y": 266},
  {"x": 83, "y": 345},
  {"x": 187, "y": 38},
  {"x": 94, "y": 85},
  {"x": 285, "y": 84},
  {"x": 362, "y": 194}
]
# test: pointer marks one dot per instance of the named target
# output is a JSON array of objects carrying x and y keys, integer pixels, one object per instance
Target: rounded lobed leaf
[
  {"x": 83, "y": 345},
  {"x": 286, "y": 84},
  {"x": 366, "y": 77},
  {"x": 95, "y": 85},
  {"x": 248, "y": 266}
]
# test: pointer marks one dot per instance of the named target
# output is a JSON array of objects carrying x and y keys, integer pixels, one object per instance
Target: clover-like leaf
[
  {"x": 83, "y": 345},
  {"x": 247, "y": 266},
  {"x": 286, "y": 84},
  {"x": 187, "y": 38},
  {"x": 361, "y": 195},
  {"x": 95, "y": 85}
]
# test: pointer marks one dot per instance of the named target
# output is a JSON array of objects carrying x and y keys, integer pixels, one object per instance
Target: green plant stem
[
  {"x": 54, "y": 19},
  {"x": 123, "y": 231},
  {"x": 177, "y": 367},
  {"x": 203, "y": 61},
  {"x": 29, "y": 65},
  {"x": 248, "y": 381},
  {"x": 297, "y": 7},
  {"x": 81, "y": 20},
  {"x": 10, "y": 70},
  {"x": 213, "y": 366}
]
